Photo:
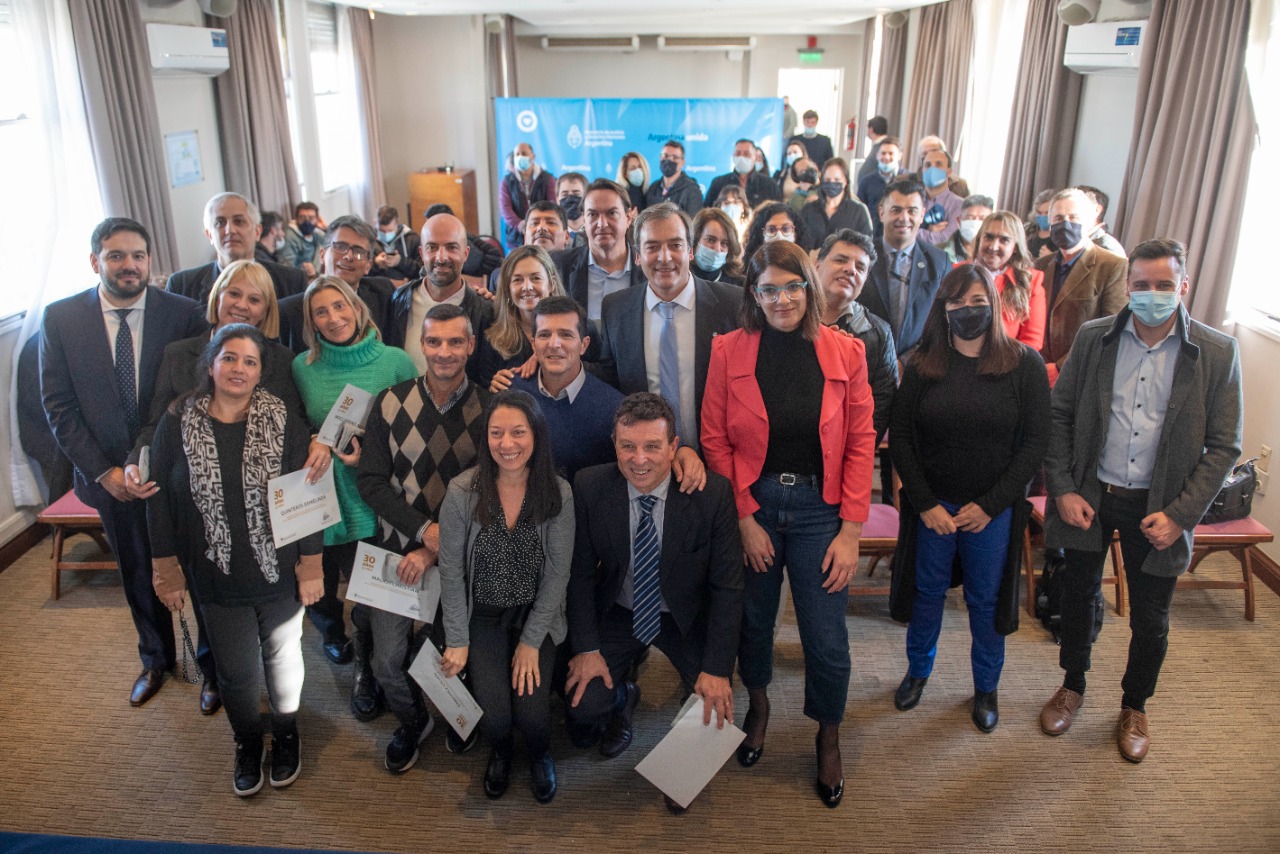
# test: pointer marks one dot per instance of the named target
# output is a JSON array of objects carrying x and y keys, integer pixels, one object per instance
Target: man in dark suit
[
  {"x": 758, "y": 186},
  {"x": 99, "y": 354},
  {"x": 907, "y": 272},
  {"x": 592, "y": 272},
  {"x": 651, "y": 566},
  {"x": 232, "y": 224},
  {"x": 658, "y": 338},
  {"x": 350, "y": 245}
]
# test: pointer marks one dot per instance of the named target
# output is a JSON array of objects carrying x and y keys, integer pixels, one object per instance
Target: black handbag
[{"x": 1235, "y": 499}]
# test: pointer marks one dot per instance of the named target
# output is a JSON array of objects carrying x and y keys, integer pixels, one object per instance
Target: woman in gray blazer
[{"x": 506, "y": 545}]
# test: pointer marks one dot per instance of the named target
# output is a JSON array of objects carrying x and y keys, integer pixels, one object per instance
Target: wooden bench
[
  {"x": 879, "y": 540},
  {"x": 70, "y": 516},
  {"x": 1117, "y": 562},
  {"x": 1239, "y": 539}
]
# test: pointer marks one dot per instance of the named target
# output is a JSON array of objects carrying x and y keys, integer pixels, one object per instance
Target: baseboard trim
[
  {"x": 25, "y": 541},
  {"x": 1266, "y": 569}
]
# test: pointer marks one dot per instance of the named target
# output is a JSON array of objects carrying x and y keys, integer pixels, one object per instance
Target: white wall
[
  {"x": 776, "y": 52},
  {"x": 647, "y": 73},
  {"x": 432, "y": 103},
  {"x": 12, "y": 521},
  {"x": 1259, "y": 354},
  {"x": 1104, "y": 128},
  {"x": 187, "y": 103}
]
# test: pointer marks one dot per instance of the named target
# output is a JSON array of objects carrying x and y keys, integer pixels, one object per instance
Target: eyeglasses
[
  {"x": 775, "y": 230},
  {"x": 772, "y": 293},
  {"x": 357, "y": 252}
]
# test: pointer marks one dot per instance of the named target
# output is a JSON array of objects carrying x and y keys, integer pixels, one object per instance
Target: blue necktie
[
  {"x": 646, "y": 601},
  {"x": 126, "y": 382},
  {"x": 669, "y": 362}
]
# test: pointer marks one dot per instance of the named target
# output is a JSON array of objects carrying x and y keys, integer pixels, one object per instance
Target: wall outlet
[
  {"x": 1261, "y": 488},
  {"x": 1264, "y": 458}
]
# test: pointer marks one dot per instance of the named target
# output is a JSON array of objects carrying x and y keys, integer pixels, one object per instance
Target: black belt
[
  {"x": 1129, "y": 494},
  {"x": 786, "y": 478}
]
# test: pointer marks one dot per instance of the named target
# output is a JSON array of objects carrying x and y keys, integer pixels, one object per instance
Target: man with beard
[
  {"x": 99, "y": 354},
  {"x": 592, "y": 272},
  {"x": 232, "y": 225},
  {"x": 444, "y": 250}
]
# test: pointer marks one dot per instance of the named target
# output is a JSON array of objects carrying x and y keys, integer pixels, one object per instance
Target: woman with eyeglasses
[
  {"x": 775, "y": 221},
  {"x": 787, "y": 417}
]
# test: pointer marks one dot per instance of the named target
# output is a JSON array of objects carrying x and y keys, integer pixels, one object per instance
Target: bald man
[{"x": 444, "y": 250}]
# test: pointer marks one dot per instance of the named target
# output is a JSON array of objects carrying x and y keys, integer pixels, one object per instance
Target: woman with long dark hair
[
  {"x": 970, "y": 426},
  {"x": 836, "y": 206},
  {"x": 776, "y": 221},
  {"x": 506, "y": 545},
  {"x": 214, "y": 452},
  {"x": 717, "y": 251},
  {"x": 787, "y": 417}
]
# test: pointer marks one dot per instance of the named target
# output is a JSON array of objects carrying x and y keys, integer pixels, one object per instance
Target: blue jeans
[
  {"x": 801, "y": 526},
  {"x": 982, "y": 556}
]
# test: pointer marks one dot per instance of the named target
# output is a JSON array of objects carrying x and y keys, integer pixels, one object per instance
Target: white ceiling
[{"x": 706, "y": 17}]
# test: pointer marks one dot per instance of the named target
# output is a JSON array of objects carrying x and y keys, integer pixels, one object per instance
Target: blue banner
[{"x": 590, "y": 135}]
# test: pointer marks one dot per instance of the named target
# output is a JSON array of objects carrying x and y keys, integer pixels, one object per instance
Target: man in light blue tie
[
  {"x": 658, "y": 338},
  {"x": 651, "y": 566}
]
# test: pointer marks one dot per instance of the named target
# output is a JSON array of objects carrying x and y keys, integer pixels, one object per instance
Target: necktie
[
  {"x": 126, "y": 382},
  {"x": 669, "y": 362},
  {"x": 901, "y": 275},
  {"x": 646, "y": 613}
]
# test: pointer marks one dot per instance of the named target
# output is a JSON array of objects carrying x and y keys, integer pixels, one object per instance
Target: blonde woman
[
  {"x": 1000, "y": 246},
  {"x": 528, "y": 276},
  {"x": 633, "y": 173}
]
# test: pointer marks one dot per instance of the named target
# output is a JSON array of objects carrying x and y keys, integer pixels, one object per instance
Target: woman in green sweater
[{"x": 344, "y": 347}]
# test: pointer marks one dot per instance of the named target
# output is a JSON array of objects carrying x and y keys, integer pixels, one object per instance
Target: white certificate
[
  {"x": 450, "y": 696},
  {"x": 375, "y": 582},
  {"x": 690, "y": 754},
  {"x": 298, "y": 508},
  {"x": 346, "y": 419}
]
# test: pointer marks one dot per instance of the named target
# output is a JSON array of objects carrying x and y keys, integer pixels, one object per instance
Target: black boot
[{"x": 366, "y": 694}]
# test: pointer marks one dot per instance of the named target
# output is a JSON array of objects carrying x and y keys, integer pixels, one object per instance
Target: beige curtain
[
  {"x": 124, "y": 124},
  {"x": 1192, "y": 140},
  {"x": 371, "y": 191},
  {"x": 253, "y": 120},
  {"x": 864, "y": 90},
  {"x": 893, "y": 67},
  {"x": 1045, "y": 104},
  {"x": 940, "y": 76}
]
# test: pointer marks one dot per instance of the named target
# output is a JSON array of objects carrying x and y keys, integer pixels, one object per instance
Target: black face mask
[
  {"x": 808, "y": 176},
  {"x": 969, "y": 322},
  {"x": 1065, "y": 234},
  {"x": 572, "y": 206},
  {"x": 831, "y": 189},
  {"x": 669, "y": 167}
]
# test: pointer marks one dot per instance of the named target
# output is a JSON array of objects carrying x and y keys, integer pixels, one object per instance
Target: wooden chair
[
  {"x": 1238, "y": 538},
  {"x": 1117, "y": 562},
  {"x": 70, "y": 516},
  {"x": 879, "y": 540}
]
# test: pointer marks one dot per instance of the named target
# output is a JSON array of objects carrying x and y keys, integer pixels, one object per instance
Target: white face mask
[
  {"x": 969, "y": 229},
  {"x": 280, "y": 244}
]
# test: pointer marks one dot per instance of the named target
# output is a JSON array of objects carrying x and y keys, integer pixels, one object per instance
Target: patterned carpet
[{"x": 78, "y": 760}]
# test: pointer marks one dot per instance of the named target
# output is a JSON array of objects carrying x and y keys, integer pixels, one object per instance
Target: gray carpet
[{"x": 78, "y": 760}]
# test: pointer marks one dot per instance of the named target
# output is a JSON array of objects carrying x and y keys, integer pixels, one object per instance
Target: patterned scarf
[{"x": 263, "y": 454}]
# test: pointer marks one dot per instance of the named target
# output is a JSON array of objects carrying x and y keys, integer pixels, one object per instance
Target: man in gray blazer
[
  {"x": 657, "y": 338},
  {"x": 1146, "y": 426}
]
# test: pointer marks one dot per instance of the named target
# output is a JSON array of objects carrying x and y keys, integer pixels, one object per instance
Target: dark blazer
[
  {"x": 76, "y": 385},
  {"x": 622, "y": 362},
  {"x": 196, "y": 282},
  {"x": 760, "y": 188},
  {"x": 177, "y": 376},
  {"x": 376, "y": 292},
  {"x": 571, "y": 267},
  {"x": 928, "y": 265},
  {"x": 700, "y": 569},
  {"x": 479, "y": 309}
]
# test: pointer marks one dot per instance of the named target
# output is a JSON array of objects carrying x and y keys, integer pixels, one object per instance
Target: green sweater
[{"x": 369, "y": 365}]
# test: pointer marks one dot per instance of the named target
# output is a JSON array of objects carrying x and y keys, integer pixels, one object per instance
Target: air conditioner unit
[
  {"x": 715, "y": 43},
  {"x": 178, "y": 50},
  {"x": 1109, "y": 48},
  {"x": 606, "y": 44}
]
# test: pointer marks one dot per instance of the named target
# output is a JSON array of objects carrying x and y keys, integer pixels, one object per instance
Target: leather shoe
[
  {"x": 673, "y": 807},
  {"x": 339, "y": 651},
  {"x": 830, "y": 795},
  {"x": 1060, "y": 711},
  {"x": 146, "y": 686},
  {"x": 828, "y": 747},
  {"x": 748, "y": 756},
  {"x": 543, "y": 774},
  {"x": 1133, "y": 739},
  {"x": 986, "y": 712},
  {"x": 617, "y": 735},
  {"x": 908, "y": 693},
  {"x": 497, "y": 776},
  {"x": 210, "y": 698}
]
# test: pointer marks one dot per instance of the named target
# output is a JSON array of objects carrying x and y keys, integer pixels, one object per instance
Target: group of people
[{"x": 619, "y": 443}]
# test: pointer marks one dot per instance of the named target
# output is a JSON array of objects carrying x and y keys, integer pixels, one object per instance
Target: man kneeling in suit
[{"x": 651, "y": 565}]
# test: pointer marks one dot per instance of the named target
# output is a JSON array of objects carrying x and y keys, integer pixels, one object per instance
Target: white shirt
[
  {"x": 422, "y": 303},
  {"x": 112, "y": 322},
  {"x": 570, "y": 391},
  {"x": 601, "y": 283},
  {"x": 686, "y": 328}
]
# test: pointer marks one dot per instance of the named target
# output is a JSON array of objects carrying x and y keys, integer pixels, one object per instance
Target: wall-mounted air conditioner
[
  {"x": 713, "y": 43},
  {"x": 605, "y": 44},
  {"x": 178, "y": 50},
  {"x": 1108, "y": 48}
]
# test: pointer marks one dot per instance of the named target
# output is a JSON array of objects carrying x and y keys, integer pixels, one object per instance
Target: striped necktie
[{"x": 646, "y": 601}]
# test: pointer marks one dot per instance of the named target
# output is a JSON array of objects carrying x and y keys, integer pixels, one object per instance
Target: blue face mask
[
  {"x": 709, "y": 259},
  {"x": 890, "y": 168},
  {"x": 1042, "y": 222},
  {"x": 1153, "y": 307},
  {"x": 636, "y": 177},
  {"x": 387, "y": 237},
  {"x": 792, "y": 157},
  {"x": 523, "y": 162},
  {"x": 934, "y": 177},
  {"x": 811, "y": 131}
]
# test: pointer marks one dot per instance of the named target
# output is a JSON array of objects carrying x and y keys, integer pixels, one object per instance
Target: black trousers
[
  {"x": 125, "y": 525},
  {"x": 494, "y": 634},
  {"x": 620, "y": 649},
  {"x": 1149, "y": 599}
]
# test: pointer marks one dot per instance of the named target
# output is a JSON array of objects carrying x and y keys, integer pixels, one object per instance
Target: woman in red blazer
[
  {"x": 1001, "y": 247},
  {"x": 786, "y": 416}
]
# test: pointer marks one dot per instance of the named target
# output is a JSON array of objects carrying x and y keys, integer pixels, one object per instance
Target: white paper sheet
[
  {"x": 347, "y": 417},
  {"x": 449, "y": 695},
  {"x": 297, "y": 508},
  {"x": 690, "y": 754},
  {"x": 375, "y": 583}
]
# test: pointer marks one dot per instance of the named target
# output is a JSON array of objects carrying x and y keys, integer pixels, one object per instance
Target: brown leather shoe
[
  {"x": 1057, "y": 714},
  {"x": 210, "y": 698},
  {"x": 146, "y": 686},
  {"x": 1132, "y": 738}
]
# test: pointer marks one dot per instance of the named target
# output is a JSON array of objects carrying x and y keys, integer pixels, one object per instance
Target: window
[{"x": 332, "y": 85}]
